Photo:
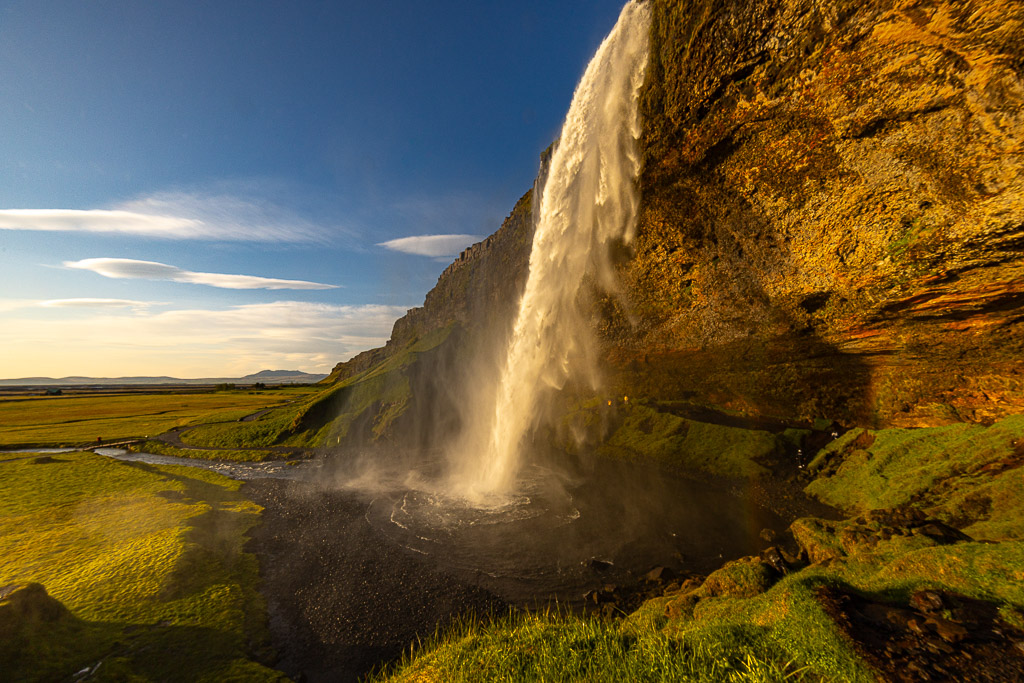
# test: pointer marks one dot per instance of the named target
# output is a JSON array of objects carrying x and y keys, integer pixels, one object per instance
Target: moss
[
  {"x": 687, "y": 444},
  {"x": 161, "y": 448},
  {"x": 965, "y": 474},
  {"x": 147, "y": 560}
]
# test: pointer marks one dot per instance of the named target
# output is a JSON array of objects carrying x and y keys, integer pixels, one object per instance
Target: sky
[{"x": 210, "y": 189}]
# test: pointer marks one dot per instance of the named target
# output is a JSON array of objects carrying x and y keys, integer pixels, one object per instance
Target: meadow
[
  {"x": 76, "y": 420},
  {"x": 127, "y": 571}
]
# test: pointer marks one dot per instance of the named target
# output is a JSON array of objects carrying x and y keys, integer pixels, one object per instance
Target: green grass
[
  {"x": 81, "y": 419},
  {"x": 263, "y": 431},
  {"x": 326, "y": 417},
  {"x": 735, "y": 626},
  {"x": 240, "y": 455},
  {"x": 548, "y": 646},
  {"x": 646, "y": 433},
  {"x": 148, "y": 560},
  {"x": 965, "y": 474}
]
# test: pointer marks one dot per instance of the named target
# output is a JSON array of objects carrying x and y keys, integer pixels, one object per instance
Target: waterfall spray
[{"x": 588, "y": 201}]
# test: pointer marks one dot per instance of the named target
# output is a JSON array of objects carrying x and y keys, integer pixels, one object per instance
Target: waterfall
[{"x": 588, "y": 201}]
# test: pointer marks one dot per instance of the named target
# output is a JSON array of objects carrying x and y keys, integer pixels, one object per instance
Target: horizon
[
  {"x": 267, "y": 371},
  {"x": 196, "y": 191}
]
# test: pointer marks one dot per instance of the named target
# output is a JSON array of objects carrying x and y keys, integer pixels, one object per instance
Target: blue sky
[{"x": 214, "y": 188}]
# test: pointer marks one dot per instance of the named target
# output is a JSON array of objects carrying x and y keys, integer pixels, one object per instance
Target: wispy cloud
[
  {"x": 85, "y": 303},
  {"x": 431, "y": 245},
  {"x": 221, "y": 342},
  {"x": 176, "y": 215},
  {"x": 93, "y": 303},
  {"x": 132, "y": 269}
]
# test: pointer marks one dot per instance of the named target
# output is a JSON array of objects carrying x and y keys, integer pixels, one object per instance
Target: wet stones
[
  {"x": 936, "y": 636},
  {"x": 659, "y": 574},
  {"x": 825, "y": 541}
]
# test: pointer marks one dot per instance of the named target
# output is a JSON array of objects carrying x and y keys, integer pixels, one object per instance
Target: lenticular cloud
[
  {"x": 131, "y": 269},
  {"x": 431, "y": 245}
]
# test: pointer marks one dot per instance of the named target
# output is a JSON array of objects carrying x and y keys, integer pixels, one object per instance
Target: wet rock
[
  {"x": 941, "y": 533},
  {"x": 659, "y": 574},
  {"x": 600, "y": 565},
  {"x": 926, "y": 601},
  {"x": 773, "y": 558},
  {"x": 949, "y": 631},
  {"x": 793, "y": 560}
]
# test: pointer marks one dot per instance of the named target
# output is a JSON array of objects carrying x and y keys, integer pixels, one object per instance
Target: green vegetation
[
  {"x": 746, "y": 621},
  {"x": 964, "y": 474},
  {"x": 148, "y": 563},
  {"x": 378, "y": 395},
  {"x": 81, "y": 419},
  {"x": 558, "y": 647},
  {"x": 241, "y": 455},
  {"x": 641, "y": 431}
]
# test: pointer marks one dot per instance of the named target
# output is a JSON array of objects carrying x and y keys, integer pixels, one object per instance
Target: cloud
[
  {"x": 224, "y": 342},
  {"x": 93, "y": 303},
  {"x": 76, "y": 303},
  {"x": 176, "y": 215},
  {"x": 431, "y": 245},
  {"x": 131, "y": 269}
]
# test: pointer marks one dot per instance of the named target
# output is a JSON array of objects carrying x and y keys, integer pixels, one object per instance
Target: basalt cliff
[{"x": 831, "y": 226}]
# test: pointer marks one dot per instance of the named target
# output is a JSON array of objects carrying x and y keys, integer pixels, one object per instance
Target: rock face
[
  {"x": 478, "y": 291},
  {"x": 833, "y": 211},
  {"x": 832, "y": 218}
]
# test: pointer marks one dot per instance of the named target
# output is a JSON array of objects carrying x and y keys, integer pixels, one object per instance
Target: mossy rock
[
  {"x": 645, "y": 433},
  {"x": 965, "y": 475},
  {"x": 742, "y": 578}
]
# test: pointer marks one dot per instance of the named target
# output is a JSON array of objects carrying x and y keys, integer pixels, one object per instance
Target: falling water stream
[
  {"x": 588, "y": 201},
  {"x": 489, "y": 507}
]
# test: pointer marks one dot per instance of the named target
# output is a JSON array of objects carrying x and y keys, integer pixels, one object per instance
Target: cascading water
[{"x": 588, "y": 201}]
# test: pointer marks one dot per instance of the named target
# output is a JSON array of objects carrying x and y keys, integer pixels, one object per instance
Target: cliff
[
  {"x": 831, "y": 224},
  {"x": 477, "y": 292},
  {"x": 832, "y": 220}
]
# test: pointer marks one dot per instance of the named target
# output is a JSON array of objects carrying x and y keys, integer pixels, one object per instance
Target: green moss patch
[
  {"x": 965, "y": 474},
  {"x": 243, "y": 455},
  {"x": 646, "y": 433}
]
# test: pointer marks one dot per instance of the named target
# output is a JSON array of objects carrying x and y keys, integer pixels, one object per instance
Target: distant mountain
[
  {"x": 265, "y": 376},
  {"x": 282, "y": 377}
]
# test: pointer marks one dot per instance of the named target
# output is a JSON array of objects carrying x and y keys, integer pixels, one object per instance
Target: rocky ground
[{"x": 341, "y": 600}]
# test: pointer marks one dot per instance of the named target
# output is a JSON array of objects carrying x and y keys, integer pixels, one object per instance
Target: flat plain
[{"x": 70, "y": 420}]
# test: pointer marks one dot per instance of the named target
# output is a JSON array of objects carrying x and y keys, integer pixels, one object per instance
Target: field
[
  {"x": 128, "y": 570},
  {"x": 70, "y": 420}
]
